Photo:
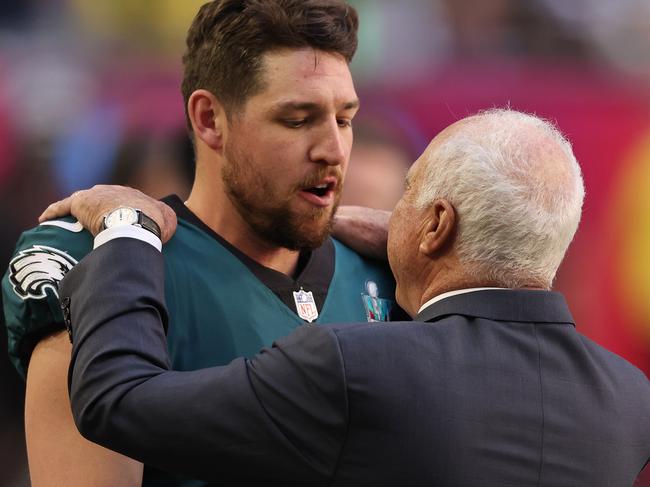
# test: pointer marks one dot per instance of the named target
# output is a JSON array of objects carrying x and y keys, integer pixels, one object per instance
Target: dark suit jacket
[{"x": 491, "y": 388}]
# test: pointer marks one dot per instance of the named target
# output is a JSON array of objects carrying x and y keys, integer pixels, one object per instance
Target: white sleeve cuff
[{"x": 127, "y": 231}]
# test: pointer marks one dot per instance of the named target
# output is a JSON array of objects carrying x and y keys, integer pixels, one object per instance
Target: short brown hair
[{"x": 228, "y": 38}]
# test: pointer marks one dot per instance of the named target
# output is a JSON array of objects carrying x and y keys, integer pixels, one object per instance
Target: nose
[{"x": 331, "y": 145}]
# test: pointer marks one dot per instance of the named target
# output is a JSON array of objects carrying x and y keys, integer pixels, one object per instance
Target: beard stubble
[{"x": 270, "y": 215}]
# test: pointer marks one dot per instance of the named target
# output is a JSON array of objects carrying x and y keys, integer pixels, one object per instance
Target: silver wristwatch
[{"x": 125, "y": 215}]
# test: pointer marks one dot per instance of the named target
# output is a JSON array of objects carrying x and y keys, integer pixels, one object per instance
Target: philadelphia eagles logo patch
[{"x": 37, "y": 268}]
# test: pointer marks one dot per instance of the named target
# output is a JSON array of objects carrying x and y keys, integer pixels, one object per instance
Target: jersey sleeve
[{"x": 43, "y": 255}]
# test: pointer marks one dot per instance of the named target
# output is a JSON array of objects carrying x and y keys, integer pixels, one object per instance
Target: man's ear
[
  {"x": 440, "y": 224},
  {"x": 208, "y": 118}
]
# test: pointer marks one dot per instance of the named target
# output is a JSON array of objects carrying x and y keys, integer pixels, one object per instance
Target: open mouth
[
  {"x": 321, "y": 194},
  {"x": 321, "y": 189}
]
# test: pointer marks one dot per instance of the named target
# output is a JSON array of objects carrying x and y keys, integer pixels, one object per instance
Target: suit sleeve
[{"x": 278, "y": 419}]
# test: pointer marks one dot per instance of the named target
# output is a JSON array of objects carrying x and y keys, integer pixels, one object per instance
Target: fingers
[
  {"x": 168, "y": 227},
  {"x": 58, "y": 209},
  {"x": 89, "y": 207},
  {"x": 363, "y": 229}
]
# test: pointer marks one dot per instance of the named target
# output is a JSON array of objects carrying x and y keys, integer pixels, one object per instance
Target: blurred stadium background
[{"x": 89, "y": 93}]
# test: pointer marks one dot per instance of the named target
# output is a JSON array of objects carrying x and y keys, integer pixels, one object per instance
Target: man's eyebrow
[
  {"x": 311, "y": 106},
  {"x": 352, "y": 104}
]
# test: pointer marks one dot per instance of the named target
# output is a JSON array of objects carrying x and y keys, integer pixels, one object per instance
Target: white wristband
[{"x": 127, "y": 231}]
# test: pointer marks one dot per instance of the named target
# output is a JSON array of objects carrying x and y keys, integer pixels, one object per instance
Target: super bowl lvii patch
[
  {"x": 305, "y": 305},
  {"x": 377, "y": 309}
]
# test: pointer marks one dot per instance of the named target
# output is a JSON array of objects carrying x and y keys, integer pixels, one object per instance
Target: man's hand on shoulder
[
  {"x": 89, "y": 207},
  {"x": 364, "y": 230}
]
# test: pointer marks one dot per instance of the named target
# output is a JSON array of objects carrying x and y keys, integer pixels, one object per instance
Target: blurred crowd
[{"x": 89, "y": 93}]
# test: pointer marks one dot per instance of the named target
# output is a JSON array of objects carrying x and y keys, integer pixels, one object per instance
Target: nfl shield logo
[{"x": 305, "y": 305}]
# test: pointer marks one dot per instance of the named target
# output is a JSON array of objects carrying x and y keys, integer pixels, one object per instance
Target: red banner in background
[{"x": 606, "y": 274}]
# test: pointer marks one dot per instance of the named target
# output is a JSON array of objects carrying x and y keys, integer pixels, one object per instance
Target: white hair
[{"x": 517, "y": 189}]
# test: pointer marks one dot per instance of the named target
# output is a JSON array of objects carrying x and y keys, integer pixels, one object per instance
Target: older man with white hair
[
  {"x": 507, "y": 188},
  {"x": 490, "y": 385}
]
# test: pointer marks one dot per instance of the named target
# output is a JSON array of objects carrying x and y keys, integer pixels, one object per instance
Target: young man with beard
[{"x": 269, "y": 101}]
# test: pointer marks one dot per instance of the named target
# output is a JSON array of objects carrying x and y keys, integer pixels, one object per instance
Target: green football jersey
[{"x": 221, "y": 303}]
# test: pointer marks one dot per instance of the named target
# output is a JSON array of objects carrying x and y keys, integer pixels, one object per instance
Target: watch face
[{"x": 121, "y": 216}]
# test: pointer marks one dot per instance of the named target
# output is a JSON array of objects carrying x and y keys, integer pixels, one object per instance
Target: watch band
[{"x": 148, "y": 223}]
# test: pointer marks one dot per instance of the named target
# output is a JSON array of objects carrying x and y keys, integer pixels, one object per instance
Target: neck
[
  {"x": 454, "y": 277},
  {"x": 447, "y": 274},
  {"x": 211, "y": 204},
  {"x": 442, "y": 283}
]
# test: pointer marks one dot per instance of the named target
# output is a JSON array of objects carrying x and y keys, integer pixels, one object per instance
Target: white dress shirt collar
[{"x": 439, "y": 297}]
